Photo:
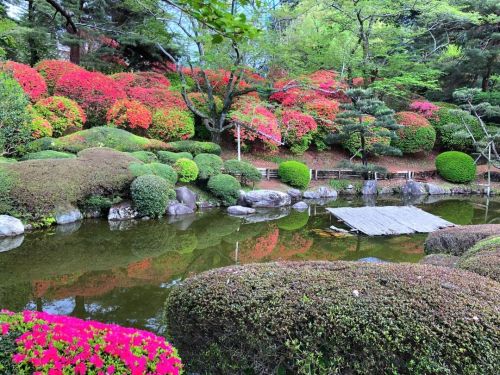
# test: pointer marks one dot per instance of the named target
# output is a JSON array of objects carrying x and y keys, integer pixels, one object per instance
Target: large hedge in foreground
[{"x": 336, "y": 318}]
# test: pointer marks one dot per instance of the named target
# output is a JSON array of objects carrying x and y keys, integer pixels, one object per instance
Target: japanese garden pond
[{"x": 122, "y": 272}]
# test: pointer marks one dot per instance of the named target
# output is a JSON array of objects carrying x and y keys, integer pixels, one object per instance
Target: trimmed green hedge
[
  {"x": 242, "y": 169},
  {"x": 48, "y": 154},
  {"x": 195, "y": 147},
  {"x": 483, "y": 258},
  {"x": 151, "y": 194},
  {"x": 102, "y": 136},
  {"x": 157, "y": 169},
  {"x": 186, "y": 169},
  {"x": 145, "y": 156},
  {"x": 294, "y": 173},
  {"x": 225, "y": 187},
  {"x": 209, "y": 165},
  {"x": 336, "y": 318},
  {"x": 169, "y": 157},
  {"x": 455, "y": 166}
]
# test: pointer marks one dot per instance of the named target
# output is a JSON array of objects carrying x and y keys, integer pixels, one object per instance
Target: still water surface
[{"x": 122, "y": 273}]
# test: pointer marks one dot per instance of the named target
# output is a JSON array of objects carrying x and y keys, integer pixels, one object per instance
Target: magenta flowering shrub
[
  {"x": 57, "y": 345},
  {"x": 424, "y": 108}
]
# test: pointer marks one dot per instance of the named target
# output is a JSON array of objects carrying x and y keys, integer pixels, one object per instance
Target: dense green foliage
[
  {"x": 340, "y": 317},
  {"x": 448, "y": 122},
  {"x": 225, "y": 187},
  {"x": 169, "y": 157},
  {"x": 208, "y": 165},
  {"x": 158, "y": 169},
  {"x": 13, "y": 116},
  {"x": 294, "y": 173},
  {"x": 416, "y": 134},
  {"x": 483, "y": 258},
  {"x": 186, "y": 169},
  {"x": 151, "y": 194},
  {"x": 242, "y": 169},
  {"x": 145, "y": 156},
  {"x": 455, "y": 166}
]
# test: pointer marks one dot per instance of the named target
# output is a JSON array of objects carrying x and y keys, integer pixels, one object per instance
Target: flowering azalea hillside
[{"x": 40, "y": 343}]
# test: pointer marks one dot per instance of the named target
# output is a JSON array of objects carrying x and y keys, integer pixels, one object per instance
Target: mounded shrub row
[
  {"x": 457, "y": 240},
  {"x": 483, "y": 258},
  {"x": 151, "y": 194},
  {"x": 245, "y": 171},
  {"x": 336, "y": 318}
]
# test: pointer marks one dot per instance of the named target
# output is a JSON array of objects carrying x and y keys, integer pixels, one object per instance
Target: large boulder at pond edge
[
  {"x": 122, "y": 211},
  {"x": 240, "y": 210},
  {"x": 186, "y": 197},
  {"x": 369, "y": 187},
  {"x": 346, "y": 317},
  {"x": 320, "y": 192},
  {"x": 10, "y": 226},
  {"x": 266, "y": 198},
  {"x": 175, "y": 209},
  {"x": 414, "y": 188},
  {"x": 457, "y": 240},
  {"x": 10, "y": 243},
  {"x": 433, "y": 189},
  {"x": 68, "y": 215}
]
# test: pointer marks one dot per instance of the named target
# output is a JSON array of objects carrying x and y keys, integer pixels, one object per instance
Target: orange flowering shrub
[
  {"x": 129, "y": 115},
  {"x": 172, "y": 125}
]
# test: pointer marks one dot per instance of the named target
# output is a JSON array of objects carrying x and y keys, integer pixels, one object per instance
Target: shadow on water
[{"x": 122, "y": 272}]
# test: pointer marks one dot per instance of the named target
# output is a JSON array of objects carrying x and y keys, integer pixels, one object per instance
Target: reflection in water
[{"x": 123, "y": 273}]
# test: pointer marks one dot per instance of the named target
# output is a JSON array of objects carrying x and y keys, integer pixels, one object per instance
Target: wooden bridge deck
[{"x": 389, "y": 220}]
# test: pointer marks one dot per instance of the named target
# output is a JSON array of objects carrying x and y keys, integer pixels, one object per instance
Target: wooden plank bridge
[{"x": 389, "y": 220}]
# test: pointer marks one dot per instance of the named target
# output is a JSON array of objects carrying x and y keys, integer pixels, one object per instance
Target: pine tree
[{"x": 370, "y": 120}]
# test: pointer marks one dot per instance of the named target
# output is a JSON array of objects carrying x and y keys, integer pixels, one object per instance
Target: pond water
[{"x": 123, "y": 272}]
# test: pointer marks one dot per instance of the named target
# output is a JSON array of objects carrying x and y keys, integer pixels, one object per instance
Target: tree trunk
[
  {"x": 216, "y": 136},
  {"x": 74, "y": 54},
  {"x": 31, "y": 42}
]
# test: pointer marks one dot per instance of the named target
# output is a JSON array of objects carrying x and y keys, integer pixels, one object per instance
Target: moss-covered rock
[
  {"x": 457, "y": 240},
  {"x": 483, "y": 258},
  {"x": 102, "y": 136},
  {"x": 336, "y": 318},
  {"x": 33, "y": 189}
]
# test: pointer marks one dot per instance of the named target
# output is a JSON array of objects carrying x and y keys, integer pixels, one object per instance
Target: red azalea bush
[
  {"x": 254, "y": 114},
  {"x": 324, "y": 110},
  {"x": 95, "y": 92},
  {"x": 157, "y": 98},
  {"x": 30, "y": 80},
  {"x": 52, "y": 70},
  {"x": 425, "y": 108},
  {"x": 416, "y": 135},
  {"x": 141, "y": 79},
  {"x": 57, "y": 345},
  {"x": 412, "y": 119},
  {"x": 61, "y": 113},
  {"x": 218, "y": 79},
  {"x": 294, "y": 96},
  {"x": 297, "y": 129},
  {"x": 129, "y": 115},
  {"x": 172, "y": 124}
]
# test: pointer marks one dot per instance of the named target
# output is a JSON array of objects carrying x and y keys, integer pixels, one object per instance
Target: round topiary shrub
[
  {"x": 94, "y": 92},
  {"x": 225, "y": 187},
  {"x": 336, "y": 318},
  {"x": 169, "y": 157},
  {"x": 34, "y": 342},
  {"x": 483, "y": 258},
  {"x": 161, "y": 170},
  {"x": 172, "y": 125},
  {"x": 416, "y": 135},
  {"x": 130, "y": 115},
  {"x": 186, "y": 169},
  {"x": 151, "y": 194},
  {"x": 208, "y": 165},
  {"x": 294, "y": 173},
  {"x": 242, "y": 169},
  {"x": 455, "y": 166},
  {"x": 63, "y": 114},
  {"x": 38, "y": 125},
  {"x": 30, "y": 80},
  {"x": 297, "y": 130},
  {"x": 448, "y": 121}
]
